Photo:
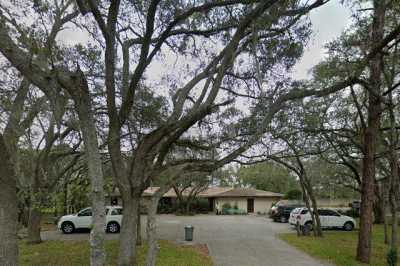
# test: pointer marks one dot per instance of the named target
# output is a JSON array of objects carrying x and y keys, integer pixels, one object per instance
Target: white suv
[
  {"x": 83, "y": 220},
  {"x": 329, "y": 219},
  {"x": 293, "y": 215}
]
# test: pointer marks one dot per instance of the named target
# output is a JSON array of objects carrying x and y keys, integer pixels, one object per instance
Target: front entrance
[
  {"x": 250, "y": 205},
  {"x": 211, "y": 204}
]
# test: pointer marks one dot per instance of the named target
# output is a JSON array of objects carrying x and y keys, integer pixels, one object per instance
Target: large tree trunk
[
  {"x": 8, "y": 209},
  {"x": 393, "y": 210},
  {"x": 368, "y": 184},
  {"x": 95, "y": 173},
  {"x": 187, "y": 205},
  {"x": 379, "y": 213},
  {"x": 128, "y": 236},
  {"x": 35, "y": 215},
  {"x": 65, "y": 199},
  {"x": 306, "y": 200},
  {"x": 139, "y": 229},
  {"x": 394, "y": 177},
  {"x": 151, "y": 231},
  {"x": 34, "y": 225},
  {"x": 370, "y": 138}
]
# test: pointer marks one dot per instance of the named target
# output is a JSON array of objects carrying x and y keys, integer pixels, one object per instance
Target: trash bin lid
[{"x": 189, "y": 226}]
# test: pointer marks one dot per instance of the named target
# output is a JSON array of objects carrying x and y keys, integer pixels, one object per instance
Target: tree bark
[
  {"x": 65, "y": 199},
  {"x": 393, "y": 210},
  {"x": 128, "y": 236},
  {"x": 317, "y": 225},
  {"x": 187, "y": 207},
  {"x": 370, "y": 137},
  {"x": 139, "y": 229},
  {"x": 394, "y": 177},
  {"x": 95, "y": 173},
  {"x": 378, "y": 206},
  {"x": 8, "y": 208},
  {"x": 151, "y": 231},
  {"x": 34, "y": 225},
  {"x": 307, "y": 189}
]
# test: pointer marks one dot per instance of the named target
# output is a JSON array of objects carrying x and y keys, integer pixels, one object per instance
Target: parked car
[
  {"x": 282, "y": 213},
  {"x": 329, "y": 219},
  {"x": 274, "y": 207},
  {"x": 293, "y": 215},
  {"x": 83, "y": 220}
]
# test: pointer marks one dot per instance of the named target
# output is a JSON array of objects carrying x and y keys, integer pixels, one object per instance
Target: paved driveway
[{"x": 232, "y": 240}]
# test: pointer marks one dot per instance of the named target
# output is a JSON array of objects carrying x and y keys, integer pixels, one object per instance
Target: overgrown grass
[
  {"x": 59, "y": 253},
  {"x": 339, "y": 247}
]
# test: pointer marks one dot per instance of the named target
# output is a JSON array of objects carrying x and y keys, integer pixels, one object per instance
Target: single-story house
[{"x": 247, "y": 199}]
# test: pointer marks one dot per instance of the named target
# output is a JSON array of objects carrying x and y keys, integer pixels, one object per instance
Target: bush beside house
[{"x": 227, "y": 209}]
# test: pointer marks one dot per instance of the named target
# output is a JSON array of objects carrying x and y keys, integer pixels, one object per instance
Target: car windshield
[
  {"x": 304, "y": 211},
  {"x": 296, "y": 210}
]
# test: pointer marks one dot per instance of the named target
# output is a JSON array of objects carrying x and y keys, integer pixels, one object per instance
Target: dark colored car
[{"x": 282, "y": 213}]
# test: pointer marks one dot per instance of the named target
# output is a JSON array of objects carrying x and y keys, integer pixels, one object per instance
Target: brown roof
[
  {"x": 212, "y": 192},
  {"x": 248, "y": 192},
  {"x": 150, "y": 191},
  {"x": 219, "y": 192}
]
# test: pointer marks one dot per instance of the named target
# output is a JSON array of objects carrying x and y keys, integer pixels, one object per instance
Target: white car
[
  {"x": 83, "y": 220},
  {"x": 293, "y": 215},
  {"x": 329, "y": 219}
]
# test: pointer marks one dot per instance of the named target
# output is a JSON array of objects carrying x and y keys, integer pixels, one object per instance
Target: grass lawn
[
  {"x": 339, "y": 247},
  {"x": 58, "y": 253}
]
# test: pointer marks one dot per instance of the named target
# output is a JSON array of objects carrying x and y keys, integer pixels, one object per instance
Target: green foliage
[
  {"x": 233, "y": 211},
  {"x": 294, "y": 194},
  {"x": 201, "y": 205},
  {"x": 325, "y": 176},
  {"x": 164, "y": 207},
  {"x": 391, "y": 257},
  {"x": 338, "y": 247},
  {"x": 226, "y": 206},
  {"x": 267, "y": 176},
  {"x": 76, "y": 253}
]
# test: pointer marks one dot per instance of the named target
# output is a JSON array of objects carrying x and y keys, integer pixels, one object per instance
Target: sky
[{"x": 328, "y": 22}]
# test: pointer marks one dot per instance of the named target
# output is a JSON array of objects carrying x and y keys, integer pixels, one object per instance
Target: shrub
[
  {"x": 225, "y": 207},
  {"x": 391, "y": 257},
  {"x": 232, "y": 211},
  {"x": 201, "y": 206},
  {"x": 352, "y": 213},
  {"x": 242, "y": 212},
  {"x": 164, "y": 208},
  {"x": 294, "y": 194}
]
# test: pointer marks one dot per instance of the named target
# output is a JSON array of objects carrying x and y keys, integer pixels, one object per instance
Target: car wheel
[
  {"x": 283, "y": 219},
  {"x": 67, "y": 227},
  {"x": 113, "y": 227},
  {"x": 348, "y": 226},
  {"x": 309, "y": 225}
]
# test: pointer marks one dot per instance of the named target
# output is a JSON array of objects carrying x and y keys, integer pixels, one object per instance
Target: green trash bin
[{"x": 189, "y": 232}]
